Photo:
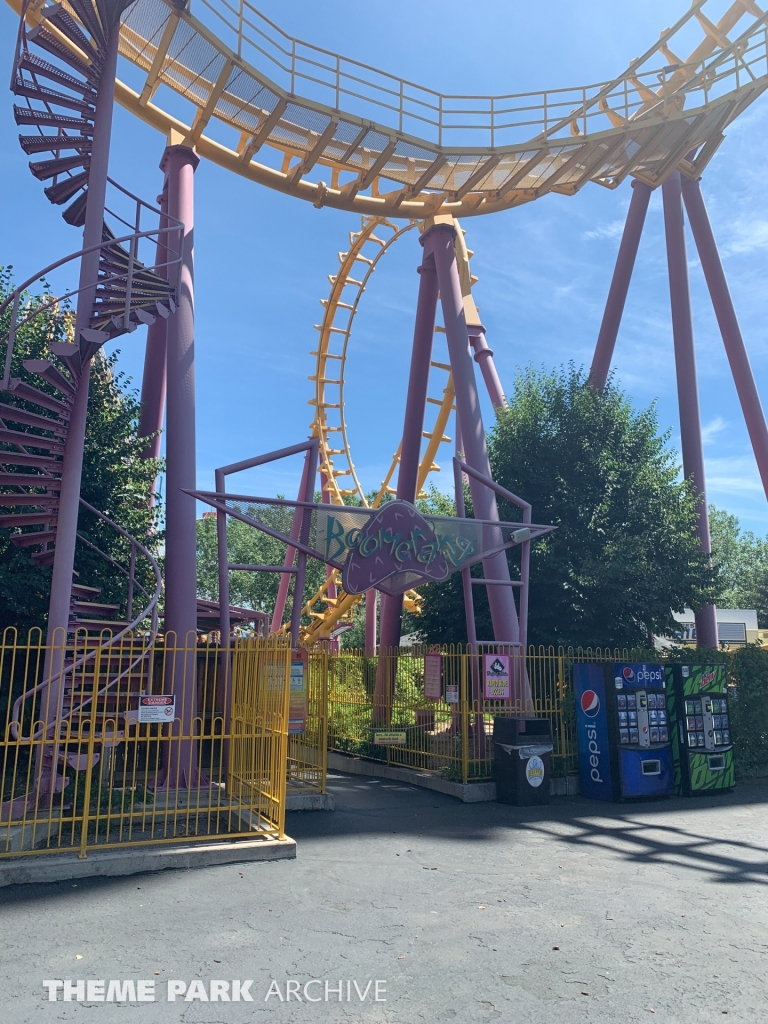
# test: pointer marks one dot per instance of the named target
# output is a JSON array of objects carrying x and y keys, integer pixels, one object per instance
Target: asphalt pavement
[{"x": 573, "y": 912}]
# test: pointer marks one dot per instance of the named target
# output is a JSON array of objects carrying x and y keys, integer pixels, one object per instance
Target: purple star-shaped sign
[{"x": 398, "y": 546}]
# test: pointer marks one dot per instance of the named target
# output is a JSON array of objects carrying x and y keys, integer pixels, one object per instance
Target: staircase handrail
[
  {"x": 150, "y": 609},
  {"x": 15, "y": 296}
]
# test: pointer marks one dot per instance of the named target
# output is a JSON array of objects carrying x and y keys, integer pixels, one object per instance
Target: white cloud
[
  {"x": 710, "y": 430},
  {"x": 732, "y": 477},
  {"x": 612, "y": 230},
  {"x": 747, "y": 237}
]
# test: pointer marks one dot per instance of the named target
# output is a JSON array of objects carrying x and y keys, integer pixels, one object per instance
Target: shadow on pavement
[
  {"x": 638, "y": 832},
  {"x": 670, "y": 832}
]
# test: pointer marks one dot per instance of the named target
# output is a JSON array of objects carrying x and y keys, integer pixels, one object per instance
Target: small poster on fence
[
  {"x": 496, "y": 675},
  {"x": 157, "y": 708},
  {"x": 389, "y": 738},
  {"x": 297, "y": 709},
  {"x": 433, "y": 676}
]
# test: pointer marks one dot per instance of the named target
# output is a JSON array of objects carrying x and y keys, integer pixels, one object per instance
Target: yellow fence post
[
  {"x": 323, "y": 725},
  {"x": 83, "y": 852},
  {"x": 463, "y": 685}
]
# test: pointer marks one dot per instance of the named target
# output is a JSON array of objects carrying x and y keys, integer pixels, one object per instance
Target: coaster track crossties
[{"x": 338, "y": 132}]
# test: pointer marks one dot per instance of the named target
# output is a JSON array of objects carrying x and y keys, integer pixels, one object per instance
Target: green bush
[{"x": 749, "y": 710}]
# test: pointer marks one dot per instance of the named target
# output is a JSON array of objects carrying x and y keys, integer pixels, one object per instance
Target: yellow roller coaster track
[
  {"x": 357, "y": 264},
  {"x": 395, "y": 149}
]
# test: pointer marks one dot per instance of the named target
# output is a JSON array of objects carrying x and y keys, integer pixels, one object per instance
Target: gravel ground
[{"x": 470, "y": 913}]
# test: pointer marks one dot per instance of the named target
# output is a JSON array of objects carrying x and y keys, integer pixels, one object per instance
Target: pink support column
[
  {"x": 622, "y": 275},
  {"x": 69, "y": 501},
  {"x": 687, "y": 388},
  {"x": 438, "y": 240},
  {"x": 332, "y": 591},
  {"x": 371, "y": 641},
  {"x": 391, "y": 613},
  {"x": 413, "y": 427},
  {"x": 46, "y": 756},
  {"x": 484, "y": 359},
  {"x": 729, "y": 325},
  {"x": 290, "y": 553},
  {"x": 305, "y": 518},
  {"x": 153, "y": 384},
  {"x": 179, "y": 163}
]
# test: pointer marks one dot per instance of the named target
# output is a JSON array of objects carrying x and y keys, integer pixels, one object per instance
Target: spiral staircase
[{"x": 106, "y": 656}]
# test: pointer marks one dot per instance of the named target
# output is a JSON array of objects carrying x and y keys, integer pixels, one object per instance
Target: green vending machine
[{"x": 700, "y": 727}]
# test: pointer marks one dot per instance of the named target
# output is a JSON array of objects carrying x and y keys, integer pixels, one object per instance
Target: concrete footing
[
  {"x": 473, "y": 792},
  {"x": 131, "y": 860}
]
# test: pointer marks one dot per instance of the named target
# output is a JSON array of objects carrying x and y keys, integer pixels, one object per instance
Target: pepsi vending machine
[
  {"x": 623, "y": 731},
  {"x": 700, "y": 721}
]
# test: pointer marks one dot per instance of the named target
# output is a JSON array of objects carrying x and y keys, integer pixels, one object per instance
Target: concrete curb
[
  {"x": 472, "y": 793},
  {"x": 58, "y": 867},
  {"x": 477, "y": 792},
  {"x": 310, "y": 800}
]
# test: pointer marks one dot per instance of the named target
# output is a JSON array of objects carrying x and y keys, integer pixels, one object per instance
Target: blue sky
[{"x": 262, "y": 259}]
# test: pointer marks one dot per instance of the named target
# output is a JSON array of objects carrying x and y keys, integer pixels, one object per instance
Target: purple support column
[
  {"x": 305, "y": 519},
  {"x": 729, "y": 325},
  {"x": 179, "y": 163},
  {"x": 687, "y": 388},
  {"x": 290, "y": 554},
  {"x": 332, "y": 591},
  {"x": 484, "y": 359},
  {"x": 72, "y": 469},
  {"x": 153, "y": 384},
  {"x": 391, "y": 611},
  {"x": 622, "y": 275},
  {"x": 438, "y": 240},
  {"x": 69, "y": 500},
  {"x": 413, "y": 427},
  {"x": 371, "y": 641}
]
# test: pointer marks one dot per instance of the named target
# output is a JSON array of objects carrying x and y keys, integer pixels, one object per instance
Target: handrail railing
[
  {"x": 149, "y": 611},
  {"x": 303, "y": 69},
  {"x": 14, "y": 298}
]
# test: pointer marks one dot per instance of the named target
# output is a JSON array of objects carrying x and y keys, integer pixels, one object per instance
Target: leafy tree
[
  {"x": 116, "y": 480},
  {"x": 249, "y": 546},
  {"x": 742, "y": 563},
  {"x": 624, "y": 555}
]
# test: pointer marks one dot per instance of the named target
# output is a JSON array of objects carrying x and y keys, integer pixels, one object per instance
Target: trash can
[{"x": 522, "y": 748}]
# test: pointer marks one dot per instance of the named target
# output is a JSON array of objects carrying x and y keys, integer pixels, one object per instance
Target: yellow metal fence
[
  {"x": 82, "y": 767},
  {"x": 308, "y": 750},
  {"x": 450, "y": 736}
]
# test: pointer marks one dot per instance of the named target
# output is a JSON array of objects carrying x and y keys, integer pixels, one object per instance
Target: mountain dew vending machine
[
  {"x": 623, "y": 731},
  {"x": 701, "y": 728}
]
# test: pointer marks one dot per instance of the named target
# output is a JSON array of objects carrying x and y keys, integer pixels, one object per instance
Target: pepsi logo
[
  {"x": 590, "y": 703},
  {"x": 628, "y": 673}
]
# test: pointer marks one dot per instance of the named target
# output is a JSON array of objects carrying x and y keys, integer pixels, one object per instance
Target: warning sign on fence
[
  {"x": 433, "y": 676},
  {"x": 496, "y": 673},
  {"x": 157, "y": 708},
  {"x": 297, "y": 710}
]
